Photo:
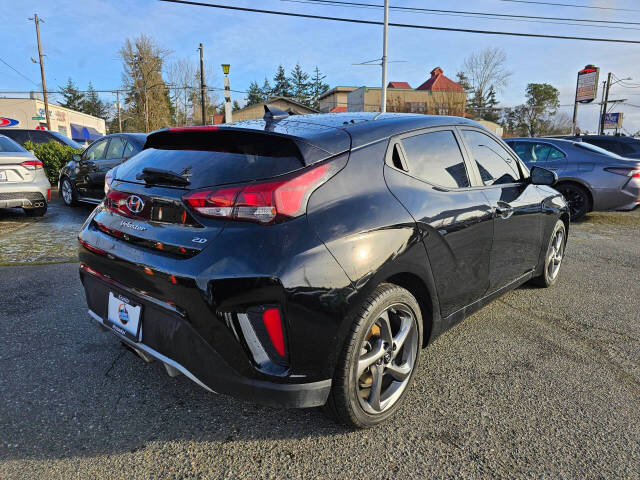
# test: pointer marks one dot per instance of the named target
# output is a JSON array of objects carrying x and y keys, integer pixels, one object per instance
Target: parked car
[
  {"x": 22, "y": 135},
  {"x": 302, "y": 261},
  {"x": 82, "y": 179},
  {"x": 23, "y": 182},
  {"x": 628, "y": 147},
  {"x": 589, "y": 177}
]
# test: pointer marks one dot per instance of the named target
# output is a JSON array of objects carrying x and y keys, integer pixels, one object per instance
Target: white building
[{"x": 29, "y": 113}]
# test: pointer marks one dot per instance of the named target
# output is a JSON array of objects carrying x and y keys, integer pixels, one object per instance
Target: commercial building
[
  {"x": 257, "y": 109},
  {"x": 438, "y": 95},
  {"x": 29, "y": 113},
  {"x": 335, "y": 100}
]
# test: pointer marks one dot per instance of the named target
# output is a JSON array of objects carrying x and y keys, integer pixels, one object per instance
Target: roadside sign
[
  {"x": 612, "y": 121},
  {"x": 587, "y": 88},
  {"x": 37, "y": 118}
]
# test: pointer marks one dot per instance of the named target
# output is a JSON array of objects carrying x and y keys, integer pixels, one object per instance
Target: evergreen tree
[
  {"x": 255, "y": 94},
  {"x": 281, "y": 85},
  {"x": 267, "y": 91},
  {"x": 92, "y": 105},
  {"x": 491, "y": 113},
  {"x": 317, "y": 87},
  {"x": 73, "y": 98},
  {"x": 300, "y": 87},
  {"x": 236, "y": 106}
]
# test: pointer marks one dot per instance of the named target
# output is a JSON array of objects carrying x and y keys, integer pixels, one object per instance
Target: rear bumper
[
  {"x": 168, "y": 337},
  {"x": 624, "y": 198},
  {"x": 28, "y": 195}
]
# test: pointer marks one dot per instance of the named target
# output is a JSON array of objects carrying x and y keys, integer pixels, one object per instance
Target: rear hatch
[
  {"x": 176, "y": 196},
  {"x": 16, "y": 167}
]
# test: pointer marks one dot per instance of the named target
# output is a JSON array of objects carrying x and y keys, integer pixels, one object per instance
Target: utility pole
[
  {"x": 604, "y": 87},
  {"x": 44, "y": 84},
  {"x": 385, "y": 34},
  {"x": 604, "y": 105},
  {"x": 202, "y": 87},
  {"x": 118, "y": 107}
]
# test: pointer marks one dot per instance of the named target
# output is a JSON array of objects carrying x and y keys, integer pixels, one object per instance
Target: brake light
[
  {"x": 265, "y": 202},
  {"x": 195, "y": 128},
  {"x": 32, "y": 164},
  {"x": 91, "y": 248},
  {"x": 625, "y": 171}
]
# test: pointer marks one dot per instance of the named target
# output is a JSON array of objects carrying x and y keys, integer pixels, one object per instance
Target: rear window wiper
[{"x": 158, "y": 175}]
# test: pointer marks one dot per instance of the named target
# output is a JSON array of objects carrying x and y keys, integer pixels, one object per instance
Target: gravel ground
[{"x": 539, "y": 384}]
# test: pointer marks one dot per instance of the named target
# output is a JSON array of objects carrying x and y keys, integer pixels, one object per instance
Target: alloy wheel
[
  {"x": 67, "y": 193},
  {"x": 555, "y": 254},
  {"x": 576, "y": 199},
  {"x": 387, "y": 358}
]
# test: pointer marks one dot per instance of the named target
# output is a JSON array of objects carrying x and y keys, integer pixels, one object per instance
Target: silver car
[
  {"x": 23, "y": 182},
  {"x": 589, "y": 177}
]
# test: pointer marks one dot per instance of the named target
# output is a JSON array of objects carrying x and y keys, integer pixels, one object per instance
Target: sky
[{"x": 81, "y": 40}]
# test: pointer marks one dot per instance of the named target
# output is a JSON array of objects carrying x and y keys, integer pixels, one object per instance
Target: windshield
[
  {"x": 65, "y": 139},
  {"x": 8, "y": 145},
  {"x": 601, "y": 151}
]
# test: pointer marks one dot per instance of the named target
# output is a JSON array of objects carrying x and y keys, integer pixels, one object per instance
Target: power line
[
  {"x": 19, "y": 73},
  {"x": 498, "y": 16},
  {"x": 572, "y": 5},
  {"x": 402, "y": 25}
]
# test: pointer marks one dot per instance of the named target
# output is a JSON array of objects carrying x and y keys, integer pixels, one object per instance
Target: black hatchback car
[
  {"x": 82, "y": 179},
  {"x": 302, "y": 261}
]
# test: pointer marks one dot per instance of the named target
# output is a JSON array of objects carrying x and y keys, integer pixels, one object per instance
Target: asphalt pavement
[{"x": 539, "y": 384}]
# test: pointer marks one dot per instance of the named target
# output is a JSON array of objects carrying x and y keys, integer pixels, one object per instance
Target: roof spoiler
[{"x": 273, "y": 113}]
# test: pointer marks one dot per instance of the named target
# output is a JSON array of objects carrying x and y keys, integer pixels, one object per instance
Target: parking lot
[{"x": 541, "y": 383}]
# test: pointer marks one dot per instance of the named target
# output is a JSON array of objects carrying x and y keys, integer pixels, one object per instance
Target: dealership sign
[
  {"x": 8, "y": 122},
  {"x": 587, "y": 88},
  {"x": 612, "y": 121}
]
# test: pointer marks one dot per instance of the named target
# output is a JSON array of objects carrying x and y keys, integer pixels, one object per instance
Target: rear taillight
[
  {"x": 32, "y": 164},
  {"x": 262, "y": 202},
  {"x": 108, "y": 178},
  {"x": 625, "y": 171}
]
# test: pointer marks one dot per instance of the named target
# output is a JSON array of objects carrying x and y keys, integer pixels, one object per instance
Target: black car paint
[
  {"x": 368, "y": 224},
  {"x": 87, "y": 177}
]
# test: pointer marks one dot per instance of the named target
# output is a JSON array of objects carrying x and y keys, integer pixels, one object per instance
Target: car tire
[
  {"x": 68, "y": 193},
  {"x": 578, "y": 199},
  {"x": 393, "y": 352},
  {"x": 553, "y": 256},
  {"x": 36, "y": 212}
]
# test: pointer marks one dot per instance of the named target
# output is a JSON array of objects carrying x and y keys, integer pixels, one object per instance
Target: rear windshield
[
  {"x": 595, "y": 149},
  {"x": 8, "y": 145},
  {"x": 206, "y": 168}
]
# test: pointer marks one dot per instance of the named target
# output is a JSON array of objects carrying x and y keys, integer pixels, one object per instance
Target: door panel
[
  {"x": 112, "y": 158},
  {"x": 88, "y": 166},
  {"x": 455, "y": 221},
  {"x": 516, "y": 207}
]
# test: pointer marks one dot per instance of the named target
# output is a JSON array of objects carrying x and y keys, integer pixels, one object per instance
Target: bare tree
[
  {"x": 485, "y": 68},
  {"x": 184, "y": 75}
]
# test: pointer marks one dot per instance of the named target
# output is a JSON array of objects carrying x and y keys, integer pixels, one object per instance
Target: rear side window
[
  {"x": 495, "y": 164},
  {"x": 116, "y": 148},
  {"x": 8, "y": 145},
  {"x": 436, "y": 158}
]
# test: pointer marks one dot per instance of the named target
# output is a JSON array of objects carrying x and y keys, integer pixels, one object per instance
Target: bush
[{"x": 53, "y": 155}]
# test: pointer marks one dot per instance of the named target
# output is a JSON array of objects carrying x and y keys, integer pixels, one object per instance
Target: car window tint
[
  {"x": 116, "y": 148},
  {"x": 625, "y": 148},
  {"x": 436, "y": 158},
  {"x": 95, "y": 151},
  {"x": 130, "y": 150},
  {"x": 495, "y": 164},
  {"x": 42, "y": 137},
  {"x": 18, "y": 136},
  {"x": 8, "y": 145},
  {"x": 555, "y": 154},
  {"x": 606, "y": 144}
]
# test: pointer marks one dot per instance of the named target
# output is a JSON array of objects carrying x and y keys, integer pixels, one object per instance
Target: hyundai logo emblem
[{"x": 135, "y": 204}]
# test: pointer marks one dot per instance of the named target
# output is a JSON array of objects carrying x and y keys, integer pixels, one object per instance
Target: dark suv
[
  {"x": 82, "y": 179},
  {"x": 22, "y": 135},
  {"x": 303, "y": 261}
]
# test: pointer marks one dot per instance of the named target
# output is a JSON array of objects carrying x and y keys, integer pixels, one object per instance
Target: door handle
[{"x": 504, "y": 209}]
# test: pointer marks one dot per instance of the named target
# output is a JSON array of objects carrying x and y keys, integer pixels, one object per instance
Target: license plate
[
  {"x": 3, "y": 176},
  {"x": 124, "y": 316}
]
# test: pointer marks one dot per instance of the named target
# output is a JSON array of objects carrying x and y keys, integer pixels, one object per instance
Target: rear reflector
[
  {"x": 263, "y": 202},
  {"x": 48, "y": 195},
  {"x": 32, "y": 164},
  {"x": 273, "y": 323},
  {"x": 91, "y": 248}
]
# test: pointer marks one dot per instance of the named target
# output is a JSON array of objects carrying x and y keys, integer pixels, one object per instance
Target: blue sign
[
  {"x": 612, "y": 120},
  {"x": 8, "y": 122}
]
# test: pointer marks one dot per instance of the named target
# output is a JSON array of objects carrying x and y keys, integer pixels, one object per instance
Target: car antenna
[{"x": 273, "y": 113}]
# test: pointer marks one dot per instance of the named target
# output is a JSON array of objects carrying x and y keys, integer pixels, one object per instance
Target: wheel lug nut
[{"x": 394, "y": 347}]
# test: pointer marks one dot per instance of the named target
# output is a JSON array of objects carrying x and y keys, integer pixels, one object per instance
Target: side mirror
[
  {"x": 542, "y": 176},
  {"x": 76, "y": 157}
]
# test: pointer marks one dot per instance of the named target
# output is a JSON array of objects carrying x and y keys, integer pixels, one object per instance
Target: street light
[{"x": 227, "y": 93}]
